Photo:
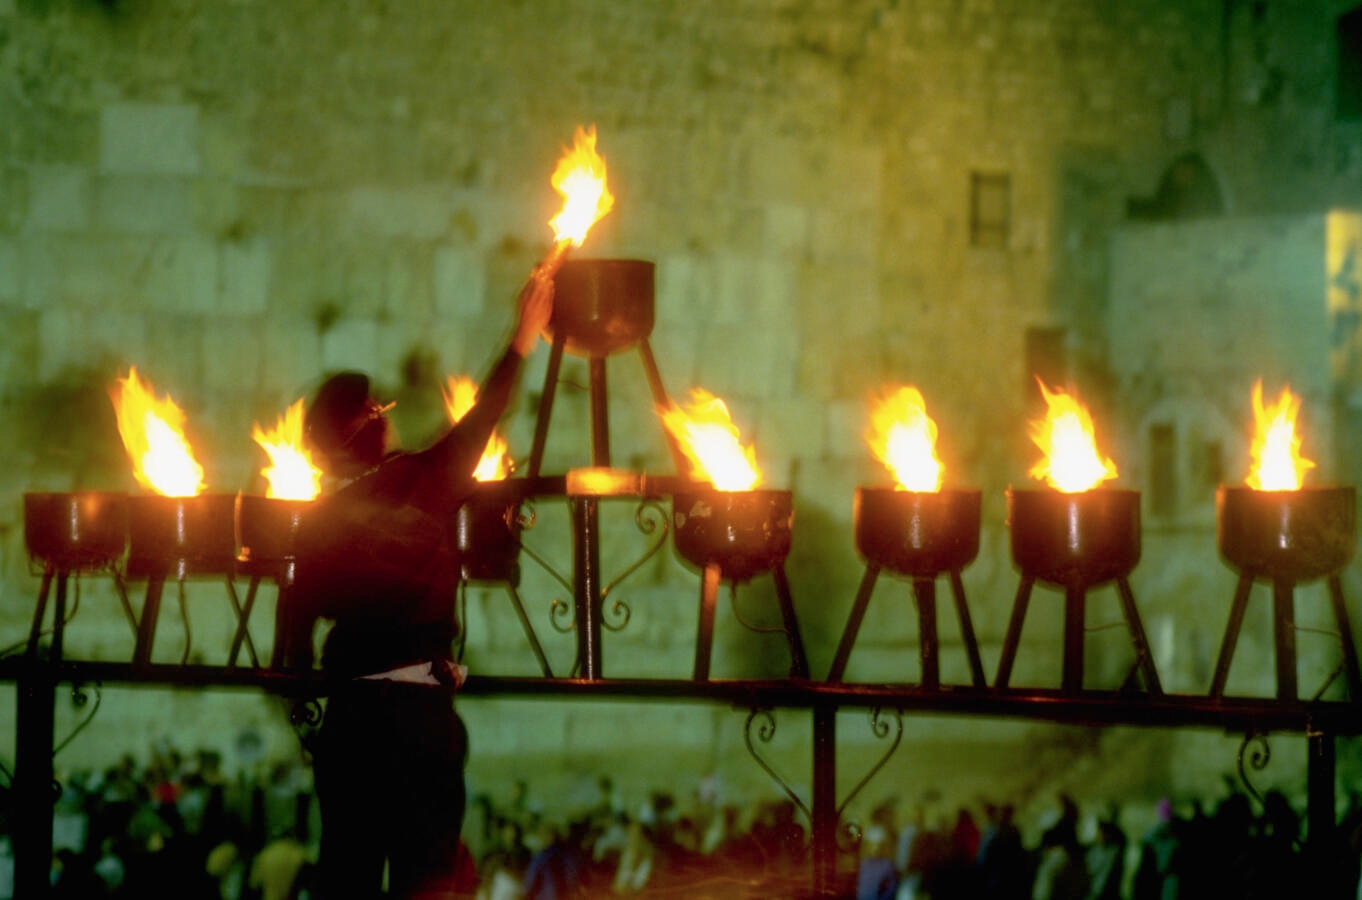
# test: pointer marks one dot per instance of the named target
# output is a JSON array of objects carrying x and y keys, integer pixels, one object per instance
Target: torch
[
  {"x": 913, "y": 529},
  {"x": 1275, "y": 529},
  {"x": 178, "y": 529},
  {"x": 267, "y": 527},
  {"x": 580, "y": 179},
  {"x": 728, "y": 528},
  {"x": 1075, "y": 535}
]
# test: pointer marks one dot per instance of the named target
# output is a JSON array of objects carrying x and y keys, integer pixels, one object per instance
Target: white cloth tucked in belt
[{"x": 422, "y": 673}]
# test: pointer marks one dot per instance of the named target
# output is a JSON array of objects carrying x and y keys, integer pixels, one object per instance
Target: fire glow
[
  {"x": 460, "y": 393},
  {"x": 1277, "y": 463},
  {"x": 903, "y": 437},
  {"x": 291, "y": 474},
  {"x": 580, "y": 179},
  {"x": 152, "y": 429},
  {"x": 706, "y": 434},
  {"x": 1072, "y": 463}
]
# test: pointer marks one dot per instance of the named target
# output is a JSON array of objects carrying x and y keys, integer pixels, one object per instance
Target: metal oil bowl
[
  {"x": 917, "y": 533},
  {"x": 744, "y": 533},
  {"x": 1076, "y": 540},
  {"x": 602, "y": 306},
  {"x": 76, "y": 530},
  {"x": 1286, "y": 535}
]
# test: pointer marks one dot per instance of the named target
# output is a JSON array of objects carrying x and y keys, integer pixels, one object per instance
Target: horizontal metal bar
[{"x": 1234, "y": 714}]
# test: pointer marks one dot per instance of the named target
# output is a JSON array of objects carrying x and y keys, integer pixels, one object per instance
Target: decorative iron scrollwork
[
  {"x": 880, "y": 729},
  {"x": 80, "y": 699},
  {"x": 766, "y": 730},
  {"x": 305, "y": 713},
  {"x": 1257, "y": 759},
  {"x": 650, "y": 518}
]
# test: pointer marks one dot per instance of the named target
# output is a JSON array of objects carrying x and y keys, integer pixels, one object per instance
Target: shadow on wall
[{"x": 63, "y": 434}]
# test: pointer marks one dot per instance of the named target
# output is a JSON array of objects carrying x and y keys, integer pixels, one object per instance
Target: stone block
[
  {"x": 149, "y": 139},
  {"x": 459, "y": 281},
  {"x": 19, "y": 350},
  {"x": 421, "y": 212},
  {"x": 352, "y": 343},
  {"x": 787, "y": 230},
  {"x": 76, "y": 339},
  {"x": 178, "y": 274},
  {"x": 11, "y": 275},
  {"x": 244, "y": 276},
  {"x": 685, "y": 291},
  {"x": 292, "y": 357},
  {"x": 143, "y": 204},
  {"x": 751, "y": 292},
  {"x": 233, "y": 352},
  {"x": 845, "y": 237},
  {"x": 59, "y": 199},
  {"x": 755, "y": 363}
]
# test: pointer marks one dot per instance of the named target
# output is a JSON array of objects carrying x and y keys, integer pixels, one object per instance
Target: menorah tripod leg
[
  {"x": 283, "y": 652},
  {"x": 1144, "y": 659},
  {"x": 243, "y": 619},
  {"x": 1284, "y": 635},
  {"x": 541, "y": 422},
  {"x": 839, "y": 662},
  {"x": 924, "y": 594},
  {"x": 122, "y": 589},
  {"x": 976, "y": 666},
  {"x": 1014, "y": 627},
  {"x": 1236, "y": 622},
  {"x": 529, "y": 630},
  {"x": 1075, "y": 611},
  {"x": 146, "y": 626},
  {"x": 799, "y": 663},
  {"x": 600, "y": 414},
  {"x": 59, "y": 617},
  {"x": 1345, "y": 634},
  {"x": 241, "y": 634},
  {"x": 704, "y": 638},
  {"x": 661, "y": 400},
  {"x": 40, "y": 613}
]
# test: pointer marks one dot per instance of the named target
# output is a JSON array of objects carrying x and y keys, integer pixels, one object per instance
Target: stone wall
[{"x": 238, "y": 197}]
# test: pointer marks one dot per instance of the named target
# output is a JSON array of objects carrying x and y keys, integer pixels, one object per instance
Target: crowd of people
[{"x": 177, "y": 826}]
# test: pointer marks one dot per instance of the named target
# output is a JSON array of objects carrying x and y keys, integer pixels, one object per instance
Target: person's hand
[{"x": 536, "y": 307}]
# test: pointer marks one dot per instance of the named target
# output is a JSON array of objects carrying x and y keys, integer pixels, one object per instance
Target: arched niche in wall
[{"x": 1188, "y": 189}]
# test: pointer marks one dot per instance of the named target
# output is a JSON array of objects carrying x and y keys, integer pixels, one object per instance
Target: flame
[
  {"x": 707, "y": 436},
  {"x": 153, "y": 434},
  {"x": 903, "y": 437},
  {"x": 1277, "y": 463},
  {"x": 580, "y": 179},
  {"x": 1072, "y": 463},
  {"x": 291, "y": 474},
  {"x": 461, "y": 393}
]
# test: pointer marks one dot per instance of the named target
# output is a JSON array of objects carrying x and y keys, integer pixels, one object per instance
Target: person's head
[{"x": 346, "y": 426}]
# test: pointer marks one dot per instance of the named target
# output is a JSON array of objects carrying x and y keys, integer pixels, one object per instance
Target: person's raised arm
[{"x": 462, "y": 445}]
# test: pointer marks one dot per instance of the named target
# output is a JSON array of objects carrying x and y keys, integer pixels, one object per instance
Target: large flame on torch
[
  {"x": 580, "y": 179},
  {"x": 291, "y": 474},
  {"x": 903, "y": 437},
  {"x": 152, "y": 429},
  {"x": 706, "y": 434},
  {"x": 1277, "y": 463},
  {"x": 1072, "y": 463},
  {"x": 461, "y": 392}
]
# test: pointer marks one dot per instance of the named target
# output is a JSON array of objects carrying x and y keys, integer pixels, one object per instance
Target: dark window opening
[
  {"x": 1208, "y": 465},
  {"x": 990, "y": 210},
  {"x": 1348, "y": 97},
  {"x": 1163, "y": 470}
]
